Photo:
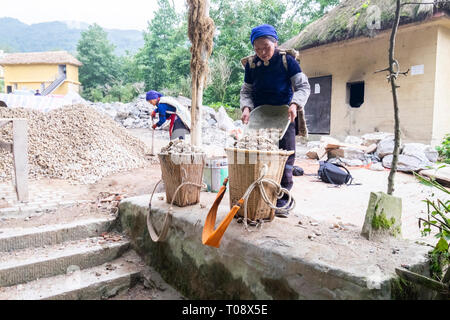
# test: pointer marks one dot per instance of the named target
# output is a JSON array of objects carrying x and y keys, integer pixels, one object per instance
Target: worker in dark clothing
[
  {"x": 37, "y": 93},
  {"x": 178, "y": 129},
  {"x": 274, "y": 79}
]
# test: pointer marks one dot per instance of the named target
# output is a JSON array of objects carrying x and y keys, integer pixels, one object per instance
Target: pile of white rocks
[
  {"x": 215, "y": 125},
  {"x": 374, "y": 149}
]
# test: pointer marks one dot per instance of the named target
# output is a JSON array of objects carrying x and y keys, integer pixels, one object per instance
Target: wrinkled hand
[
  {"x": 153, "y": 114},
  {"x": 245, "y": 115},
  {"x": 154, "y": 126},
  {"x": 292, "y": 112}
]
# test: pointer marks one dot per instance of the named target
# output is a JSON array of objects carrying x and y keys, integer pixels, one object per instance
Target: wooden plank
[
  {"x": 20, "y": 155},
  {"x": 344, "y": 145},
  {"x": 422, "y": 280}
]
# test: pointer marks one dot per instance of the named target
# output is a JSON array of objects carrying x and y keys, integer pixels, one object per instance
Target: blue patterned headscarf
[
  {"x": 263, "y": 30},
  {"x": 152, "y": 94}
]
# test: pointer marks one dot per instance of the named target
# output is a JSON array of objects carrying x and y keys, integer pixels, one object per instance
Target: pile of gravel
[
  {"x": 73, "y": 142},
  {"x": 262, "y": 139}
]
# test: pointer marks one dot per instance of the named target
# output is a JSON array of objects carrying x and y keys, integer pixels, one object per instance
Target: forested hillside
[{"x": 16, "y": 36}]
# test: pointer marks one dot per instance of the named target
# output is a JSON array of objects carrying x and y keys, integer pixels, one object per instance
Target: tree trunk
[
  {"x": 393, "y": 62},
  {"x": 201, "y": 31}
]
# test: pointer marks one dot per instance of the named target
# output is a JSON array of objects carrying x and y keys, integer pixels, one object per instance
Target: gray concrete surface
[{"x": 294, "y": 258}]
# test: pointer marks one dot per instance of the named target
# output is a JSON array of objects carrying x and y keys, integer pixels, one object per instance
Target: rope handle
[{"x": 168, "y": 217}]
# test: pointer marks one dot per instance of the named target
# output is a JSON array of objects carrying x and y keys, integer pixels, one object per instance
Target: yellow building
[
  {"x": 341, "y": 52},
  {"x": 54, "y": 72}
]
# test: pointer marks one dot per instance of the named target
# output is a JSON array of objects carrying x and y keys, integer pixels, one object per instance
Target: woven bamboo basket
[
  {"x": 244, "y": 167},
  {"x": 179, "y": 168}
]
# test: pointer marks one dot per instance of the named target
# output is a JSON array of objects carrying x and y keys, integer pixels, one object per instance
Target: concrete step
[
  {"x": 34, "y": 263},
  {"x": 98, "y": 282},
  {"x": 22, "y": 238}
]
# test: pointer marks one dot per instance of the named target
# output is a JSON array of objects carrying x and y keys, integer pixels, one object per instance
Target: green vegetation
[
  {"x": 2, "y": 85},
  {"x": 438, "y": 219},
  {"x": 381, "y": 222},
  {"x": 105, "y": 77},
  {"x": 163, "y": 63},
  {"x": 444, "y": 149}
]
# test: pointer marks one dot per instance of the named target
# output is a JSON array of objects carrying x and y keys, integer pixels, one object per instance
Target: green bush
[
  {"x": 2, "y": 86},
  {"x": 444, "y": 149},
  {"x": 439, "y": 220}
]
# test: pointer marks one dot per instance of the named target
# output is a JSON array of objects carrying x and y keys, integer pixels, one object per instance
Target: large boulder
[
  {"x": 208, "y": 113},
  {"x": 128, "y": 123},
  {"x": 354, "y": 140},
  {"x": 407, "y": 163},
  {"x": 420, "y": 150},
  {"x": 375, "y": 137},
  {"x": 385, "y": 147},
  {"x": 353, "y": 153}
]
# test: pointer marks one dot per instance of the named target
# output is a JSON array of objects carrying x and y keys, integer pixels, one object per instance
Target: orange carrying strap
[{"x": 210, "y": 236}]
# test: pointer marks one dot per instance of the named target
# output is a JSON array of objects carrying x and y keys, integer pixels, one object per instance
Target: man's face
[{"x": 264, "y": 48}]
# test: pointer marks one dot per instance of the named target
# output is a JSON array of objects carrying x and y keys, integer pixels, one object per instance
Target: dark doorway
[
  {"x": 62, "y": 70},
  {"x": 8, "y": 89},
  {"x": 318, "y": 107}
]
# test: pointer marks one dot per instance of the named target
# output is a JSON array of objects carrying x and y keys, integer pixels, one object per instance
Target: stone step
[
  {"x": 98, "y": 282},
  {"x": 22, "y": 238},
  {"x": 33, "y": 263}
]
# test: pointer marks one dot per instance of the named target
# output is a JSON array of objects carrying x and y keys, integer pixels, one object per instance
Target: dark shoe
[{"x": 281, "y": 214}]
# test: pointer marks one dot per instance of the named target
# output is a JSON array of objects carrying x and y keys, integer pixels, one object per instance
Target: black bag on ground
[
  {"x": 334, "y": 173},
  {"x": 297, "y": 171}
]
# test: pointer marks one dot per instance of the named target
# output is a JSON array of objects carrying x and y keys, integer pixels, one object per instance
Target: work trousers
[
  {"x": 288, "y": 143},
  {"x": 179, "y": 130}
]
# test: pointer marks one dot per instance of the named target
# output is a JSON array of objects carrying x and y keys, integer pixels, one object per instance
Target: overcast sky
[{"x": 110, "y": 14}]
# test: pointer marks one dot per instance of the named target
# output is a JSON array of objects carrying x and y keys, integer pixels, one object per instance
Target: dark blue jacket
[
  {"x": 272, "y": 84},
  {"x": 164, "y": 111}
]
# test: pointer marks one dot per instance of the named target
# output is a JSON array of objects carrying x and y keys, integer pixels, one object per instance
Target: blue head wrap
[
  {"x": 152, "y": 94},
  {"x": 263, "y": 30}
]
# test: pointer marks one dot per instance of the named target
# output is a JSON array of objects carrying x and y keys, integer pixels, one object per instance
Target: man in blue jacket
[
  {"x": 177, "y": 129},
  {"x": 275, "y": 79}
]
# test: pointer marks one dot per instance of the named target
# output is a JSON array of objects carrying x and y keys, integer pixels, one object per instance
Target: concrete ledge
[
  {"x": 98, "y": 282},
  {"x": 31, "y": 264},
  {"x": 278, "y": 262},
  {"x": 17, "y": 239}
]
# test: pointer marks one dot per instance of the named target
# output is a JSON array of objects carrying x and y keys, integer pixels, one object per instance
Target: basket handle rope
[
  {"x": 168, "y": 217},
  {"x": 213, "y": 237}
]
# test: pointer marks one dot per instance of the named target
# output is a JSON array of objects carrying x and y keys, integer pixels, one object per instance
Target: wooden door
[{"x": 318, "y": 107}]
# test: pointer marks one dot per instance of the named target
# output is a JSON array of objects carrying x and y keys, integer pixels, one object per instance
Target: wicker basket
[
  {"x": 179, "y": 168},
  {"x": 244, "y": 168}
]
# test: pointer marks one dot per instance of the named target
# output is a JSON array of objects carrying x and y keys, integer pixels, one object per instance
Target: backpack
[
  {"x": 334, "y": 173},
  {"x": 292, "y": 52}
]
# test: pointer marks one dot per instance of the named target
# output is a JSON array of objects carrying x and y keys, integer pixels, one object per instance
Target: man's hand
[
  {"x": 245, "y": 115},
  {"x": 153, "y": 114},
  {"x": 154, "y": 126},
  {"x": 292, "y": 112}
]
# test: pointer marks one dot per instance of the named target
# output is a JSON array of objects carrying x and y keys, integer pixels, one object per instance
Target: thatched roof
[
  {"x": 50, "y": 57},
  {"x": 349, "y": 20}
]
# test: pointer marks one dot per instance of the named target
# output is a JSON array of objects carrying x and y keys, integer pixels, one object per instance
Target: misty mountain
[{"x": 16, "y": 36}]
